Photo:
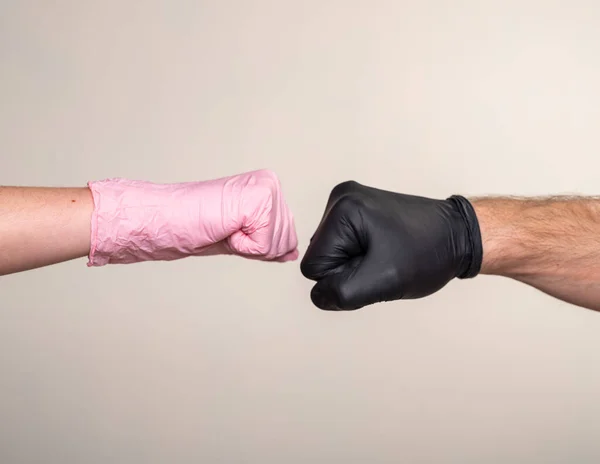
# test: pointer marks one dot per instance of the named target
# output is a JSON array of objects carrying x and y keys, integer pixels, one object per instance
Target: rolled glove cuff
[{"x": 474, "y": 256}]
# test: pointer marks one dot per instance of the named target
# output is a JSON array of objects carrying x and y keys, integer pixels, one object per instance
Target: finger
[
  {"x": 285, "y": 240},
  {"x": 324, "y": 297},
  {"x": 270, "y": 243},
  {"x": 338, "y": 192},
  {"x": 335, "y": 241},
  {"x": 271, "y": 233},
  {"x": 252, "y": 244}
]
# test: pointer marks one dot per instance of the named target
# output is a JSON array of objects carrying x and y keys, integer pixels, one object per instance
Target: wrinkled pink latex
[{"x": 137, "y": 221}]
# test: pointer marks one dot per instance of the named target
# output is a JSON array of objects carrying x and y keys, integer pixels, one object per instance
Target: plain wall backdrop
[{"x": 222, "y": 360}]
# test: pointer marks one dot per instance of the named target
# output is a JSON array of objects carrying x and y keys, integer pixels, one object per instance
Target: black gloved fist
[{"x": 373, "y": 246}]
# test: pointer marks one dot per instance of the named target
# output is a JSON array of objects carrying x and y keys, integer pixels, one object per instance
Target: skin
[
  {"x": 552, "y": 244},
  {"x": 43, "y": 226}
]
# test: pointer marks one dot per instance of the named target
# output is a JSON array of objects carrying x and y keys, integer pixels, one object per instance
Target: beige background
[{"x": 220, "y": 360}]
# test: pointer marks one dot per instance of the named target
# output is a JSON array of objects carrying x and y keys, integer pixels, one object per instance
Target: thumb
[
  {"x": 353, "y": 286},
  {"x": 247, "y": 244},
  {"x": 334, "y": 292}
]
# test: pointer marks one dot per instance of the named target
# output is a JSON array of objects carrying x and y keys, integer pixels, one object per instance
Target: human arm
[
  {"x": 374, "y": 245},
  {"x": 43, "y": 226},
  {"x": 120, "y": 221},
  {"x": 552, "y": 244}
]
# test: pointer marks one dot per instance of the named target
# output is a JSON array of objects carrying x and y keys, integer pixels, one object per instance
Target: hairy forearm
[
  {"x": 42, "y": 226},
  {"x": 552, "y": 244}
]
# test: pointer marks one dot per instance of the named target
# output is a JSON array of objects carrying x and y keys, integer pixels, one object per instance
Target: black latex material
[{"x": 373, "y": 245}]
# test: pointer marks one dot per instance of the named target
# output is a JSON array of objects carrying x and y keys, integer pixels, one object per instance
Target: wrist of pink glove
[{"x": 136, "y": 221}]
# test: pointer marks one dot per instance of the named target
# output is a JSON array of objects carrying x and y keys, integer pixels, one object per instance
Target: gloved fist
[
  {"x": 137, "y": 221},
  {"x": 373, "y": 245}
]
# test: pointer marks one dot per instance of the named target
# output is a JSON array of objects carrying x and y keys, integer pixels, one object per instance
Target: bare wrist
[
  {"x": 502, "y": 247},
  {"x": 549, "y": 243}
]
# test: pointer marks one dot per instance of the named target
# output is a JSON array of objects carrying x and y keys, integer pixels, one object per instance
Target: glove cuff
[
  {"x": 475, "y": 253},
  {"x": 135, "y": 221}
]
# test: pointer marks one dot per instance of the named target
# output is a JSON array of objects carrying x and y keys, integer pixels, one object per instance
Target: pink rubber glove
[{"x": 137, "y": 221}]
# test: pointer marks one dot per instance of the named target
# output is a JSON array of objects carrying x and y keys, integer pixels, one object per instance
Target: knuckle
[
  {"x": 348, "y": 204},
  {"x": 345, "y": 188},
  {"x": 270, "y": 178},
  {"x": 265, "y": 192},
  {"x": 347, "y": 195},
  {"x": 306, "y": 268}
]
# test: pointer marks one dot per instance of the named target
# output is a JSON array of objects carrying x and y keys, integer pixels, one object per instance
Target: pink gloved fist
[{"x": 137, "y": 221}]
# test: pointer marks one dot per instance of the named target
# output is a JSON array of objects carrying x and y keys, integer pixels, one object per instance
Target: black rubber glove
[{"x": 373, "y": 246}]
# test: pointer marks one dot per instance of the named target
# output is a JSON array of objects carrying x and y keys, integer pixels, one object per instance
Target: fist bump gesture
[{"x": 371, "y": 245}]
